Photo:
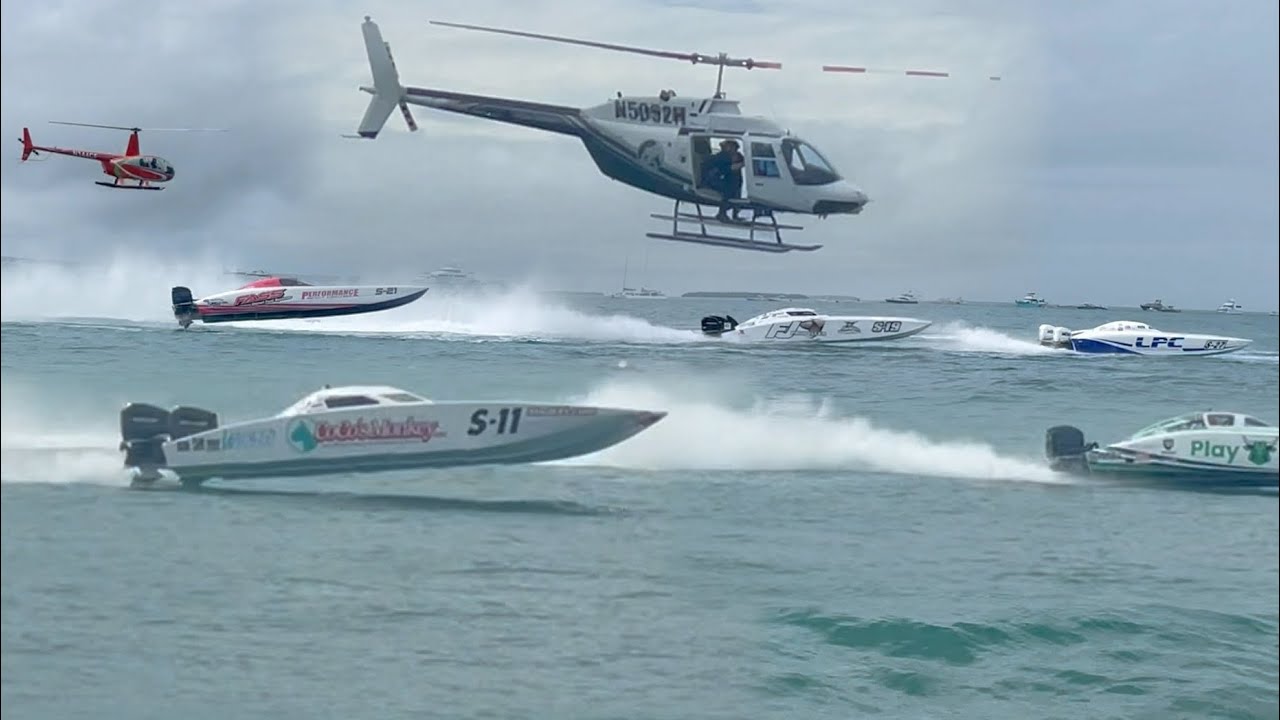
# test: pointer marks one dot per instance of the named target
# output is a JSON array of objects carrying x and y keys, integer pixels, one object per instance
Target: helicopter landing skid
[
  {"x": 127, "y": 187},
  {"x": 752, "y": 227}
]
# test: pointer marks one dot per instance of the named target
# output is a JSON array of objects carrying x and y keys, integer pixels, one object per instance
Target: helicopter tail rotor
[
  {"x": 28, "y": 149},
  {"x": 387, "y": 91}
]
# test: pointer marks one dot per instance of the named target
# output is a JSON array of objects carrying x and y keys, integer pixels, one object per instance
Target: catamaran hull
[
  {"x": 1126, "y": 466},
  {"x": 824, "y": 329},
  {"x": 1189, "y": 459},
  {"x": 365, "y": 440},
  {"x": 302, "y": 310},
  {"x": 1144, "y": 341}
]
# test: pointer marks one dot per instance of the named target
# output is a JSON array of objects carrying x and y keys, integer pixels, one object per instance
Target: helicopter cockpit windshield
[{"x": 807, "y": 165}]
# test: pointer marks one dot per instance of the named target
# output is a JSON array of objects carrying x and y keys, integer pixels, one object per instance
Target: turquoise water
[{"x": 812, "y": 532}]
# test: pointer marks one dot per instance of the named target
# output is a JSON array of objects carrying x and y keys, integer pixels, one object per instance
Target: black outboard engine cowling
[
  {"x": 184, "y": 305},
  {"x": 184, "y": 421},
  {"x": 143, "y": 430},
  {"x": 717, "y": 325},
  {"x": 1066, "y": 449}
]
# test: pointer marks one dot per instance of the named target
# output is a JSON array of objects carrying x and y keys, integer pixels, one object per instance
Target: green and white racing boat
[{"x": 1199, "y": 448}]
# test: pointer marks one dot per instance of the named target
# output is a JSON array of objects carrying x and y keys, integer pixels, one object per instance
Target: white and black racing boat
[
  {"x": 803, "y": 324},
  {"x": 1199, "y": 448},
  {"x": 364, "y": 429},
  {"x": 280, "y": 298}
]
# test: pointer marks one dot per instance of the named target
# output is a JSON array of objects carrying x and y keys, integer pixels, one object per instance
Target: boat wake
[
  {"x": 125, "y": 288},
  {"x": 961, "y": 337},
  {"x": 112, "y": 291},
  {"x": 797, "y": 435},
  {"x": 519, "y": 314},
  {"x": 1254, "y": 356},
  {"x": 704, "y": 433}
]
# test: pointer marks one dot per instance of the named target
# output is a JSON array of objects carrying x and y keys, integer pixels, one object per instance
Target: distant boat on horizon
[
  {"x": 906, "y": 298},
  {"x": 1231, "y": 307},
  {"x": 1029, "y": 300},
  {"x": 453, "y": 280},
  {"x": 630, "y": 293},
  {"x": 1158, "y": 306},
  {"x": 1090, "y": 306},
  {"x": 642, "y": 293}
]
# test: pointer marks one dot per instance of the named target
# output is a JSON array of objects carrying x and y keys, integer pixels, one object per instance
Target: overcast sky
[{"x": 1130, "y": 152}]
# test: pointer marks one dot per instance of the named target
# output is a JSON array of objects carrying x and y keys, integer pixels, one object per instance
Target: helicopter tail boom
[{"x": 387, "y": 91}]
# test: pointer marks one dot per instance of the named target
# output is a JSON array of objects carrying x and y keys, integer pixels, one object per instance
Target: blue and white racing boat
[{"x": 1126, "y": 337}]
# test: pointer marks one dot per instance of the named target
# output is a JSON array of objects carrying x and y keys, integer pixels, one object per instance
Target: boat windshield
[
  {"x": 1200, "y": 421},
  {"x": 350, "y": 397},
  {"x": 1123, "y": 325},
  {"x": 1189, "y": 421},
  {"x": 403, "y": 397}
]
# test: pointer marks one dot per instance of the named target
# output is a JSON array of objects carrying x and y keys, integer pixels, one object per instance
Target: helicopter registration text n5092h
[{"x": 658, "y": 144}]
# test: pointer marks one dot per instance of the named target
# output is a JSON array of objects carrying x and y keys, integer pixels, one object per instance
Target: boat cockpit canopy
[
  {"x": 276, "y": 282},
  {"x": 352, "y": 396},
  {"x": 1201, "y": 421}
]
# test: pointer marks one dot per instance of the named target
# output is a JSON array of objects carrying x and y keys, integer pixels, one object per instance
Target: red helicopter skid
[{"x": 126, "y": 187}]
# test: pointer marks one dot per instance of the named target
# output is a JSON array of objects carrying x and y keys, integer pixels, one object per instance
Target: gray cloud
[{"x": 1141, "y": 131}]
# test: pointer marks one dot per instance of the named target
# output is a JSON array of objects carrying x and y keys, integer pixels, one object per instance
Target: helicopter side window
[
  {"x": 808, "y": 167},
  {"x": 763, "y": 163}
]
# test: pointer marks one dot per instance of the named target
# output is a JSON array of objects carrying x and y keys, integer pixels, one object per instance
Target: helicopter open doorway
[{"x": 766, "y": 188}]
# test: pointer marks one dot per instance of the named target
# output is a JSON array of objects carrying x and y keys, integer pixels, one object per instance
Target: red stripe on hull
[{"x": 252, "y": 309}]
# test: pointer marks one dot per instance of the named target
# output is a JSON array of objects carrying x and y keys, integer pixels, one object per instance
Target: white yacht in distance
[
  {"x": 451, "y": 277},
  {"x": 1030, "y": 300},
  {"x": 1231, "y": 306},
  {"x": 906, "y": 298},
  {"x": 449, "y": 280}
]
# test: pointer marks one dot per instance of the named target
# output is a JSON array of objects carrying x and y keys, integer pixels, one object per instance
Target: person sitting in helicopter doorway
[{"x": 723, "y": 173}]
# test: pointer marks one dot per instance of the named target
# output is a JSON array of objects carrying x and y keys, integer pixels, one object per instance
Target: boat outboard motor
[
  {"x": 184, "y": 421},
  {"x": 184, "y": 306},
  {"x": 717, "y": 325},
  {"x": 143, "y": 430},
  {"x": 1065, "y": 448}
]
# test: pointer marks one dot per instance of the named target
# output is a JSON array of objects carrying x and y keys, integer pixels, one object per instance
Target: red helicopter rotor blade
[
  {"x": 689, "y": 57},
  {"x": 914, "y": 73}
]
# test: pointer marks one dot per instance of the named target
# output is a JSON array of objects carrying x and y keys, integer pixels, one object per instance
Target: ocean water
[{"x": 811, "y": 532}]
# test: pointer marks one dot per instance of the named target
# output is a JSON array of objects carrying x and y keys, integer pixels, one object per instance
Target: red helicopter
[{"x": 132, "y": 170}]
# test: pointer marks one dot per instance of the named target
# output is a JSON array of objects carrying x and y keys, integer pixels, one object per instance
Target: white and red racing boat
[{"x": 280, "y": 298}]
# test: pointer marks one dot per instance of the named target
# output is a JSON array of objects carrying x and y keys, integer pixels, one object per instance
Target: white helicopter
[{"x": 658, "y": 144}]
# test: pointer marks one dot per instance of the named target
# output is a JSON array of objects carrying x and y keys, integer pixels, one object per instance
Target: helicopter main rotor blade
[
  {"x": 695, "y": 58},
  {"x": 108, "y": 127},
  {"x": 185, "y": 129},
  {"x": 914, "y": 73},
  {"x": 136, "y": 129}
]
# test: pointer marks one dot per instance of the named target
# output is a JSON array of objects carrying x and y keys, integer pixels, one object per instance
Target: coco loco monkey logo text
[{"x": 307, "y": 435}]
